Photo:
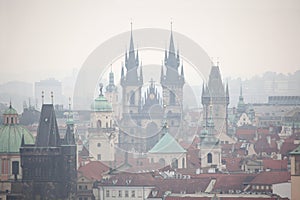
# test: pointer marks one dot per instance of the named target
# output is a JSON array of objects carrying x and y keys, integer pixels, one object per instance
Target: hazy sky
[{"x": 41, "y": 39}]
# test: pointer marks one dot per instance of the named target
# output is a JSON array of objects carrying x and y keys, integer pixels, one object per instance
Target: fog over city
[{"x": 156, "y": 100}]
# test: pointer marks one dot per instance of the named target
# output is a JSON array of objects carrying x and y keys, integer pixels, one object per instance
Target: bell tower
[
  {"x": 172, "y": 84},
  {"x": 131, "y": 82}
]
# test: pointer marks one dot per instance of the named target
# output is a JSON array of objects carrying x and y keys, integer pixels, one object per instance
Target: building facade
[{"x": 48, "y": 166}]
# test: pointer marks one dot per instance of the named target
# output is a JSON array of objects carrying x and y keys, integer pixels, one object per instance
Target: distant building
[
  {"x": 11, "y": 134},
  {"x": 102, "y": 135},
  {"x": 48, "y": 166},
  {"x": 284, "y": 100},
  {"x": 216, "y": 95},
  {"x": 210, "y": 149},
  {"x": 167, "y": 152},
  {"x": 142, "y": 114}
]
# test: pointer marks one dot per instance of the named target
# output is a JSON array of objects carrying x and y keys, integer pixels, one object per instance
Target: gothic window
[
  {"x": 209, "y": 158},
  {"x": 172, "y": 98},
  {"x": 12, "y": 120},
  {"x": 7, "y": 120},
  {"x": 132, "y": 98}
]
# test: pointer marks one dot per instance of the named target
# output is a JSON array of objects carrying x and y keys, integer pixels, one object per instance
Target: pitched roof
[
  {"x": 268, "y": 178},
  {"x": 167, "y": 144},
  {"x": 275, "y": 164},
  {"x": 93, "y": 170},
  {"x": 47, "y": 134}
]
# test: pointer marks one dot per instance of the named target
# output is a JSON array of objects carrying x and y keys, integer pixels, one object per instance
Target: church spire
[
  {"x": 172, "y": 46},
  {"x": 131, "y": 47}
]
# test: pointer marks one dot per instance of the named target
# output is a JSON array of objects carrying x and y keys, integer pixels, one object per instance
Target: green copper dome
[
  {"x": 101, "y": 104},
  {"x": 11, "y": 138},
  {"x": 10, "y": 111}
]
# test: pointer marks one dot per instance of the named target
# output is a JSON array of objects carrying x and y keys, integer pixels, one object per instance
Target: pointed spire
[
  {"x": 227, "y": 90},
  {"x": 131, "y": 47},
  {"x": 172, "y": 46},
  {"x": 10, "y": 104},
  {"x": 241, "y": 90}
]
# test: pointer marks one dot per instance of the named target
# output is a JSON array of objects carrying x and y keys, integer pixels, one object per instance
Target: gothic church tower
[{"x": 172, "y": 85}]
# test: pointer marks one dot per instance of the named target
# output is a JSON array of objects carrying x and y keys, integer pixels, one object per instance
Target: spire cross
[
  {"x": 51, "y": 97},
  {"x": 42, "y": 97}
]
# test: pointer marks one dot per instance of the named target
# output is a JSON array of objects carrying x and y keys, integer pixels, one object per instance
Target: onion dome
[{"x": 11, "y": 133}]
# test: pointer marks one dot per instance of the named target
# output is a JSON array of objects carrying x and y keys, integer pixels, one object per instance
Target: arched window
[
  {"x": 209, "y": 158},
  {"x": 99, "y": 124},
  {"x": 174, "y": 163}
]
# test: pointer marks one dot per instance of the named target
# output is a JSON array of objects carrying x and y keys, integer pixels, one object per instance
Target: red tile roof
[
  {"x": 94, "y": 170},
  {"x": 272, "y": 177},
  {"x": 275, "y": 164},
  {"x": 233, "y": 164}
]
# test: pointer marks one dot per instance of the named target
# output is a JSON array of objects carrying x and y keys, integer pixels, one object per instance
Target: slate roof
[
  {"x": 167, "y": 144},
  {"x": 47, "y": 134}
]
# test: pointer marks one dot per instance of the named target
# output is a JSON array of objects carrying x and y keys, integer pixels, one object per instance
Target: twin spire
[{"x": 171, "y": 62}]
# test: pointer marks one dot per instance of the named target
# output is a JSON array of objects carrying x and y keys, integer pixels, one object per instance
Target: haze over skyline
[{"x": 42, "y": 39}]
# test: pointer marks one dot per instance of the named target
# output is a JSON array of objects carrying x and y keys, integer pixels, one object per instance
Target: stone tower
[
  {"x": 49, "y": 166},
  {"x": 210, "y": 150},
  {"x": 172, "y": 85},
  {"x": 131, "y": 82},
  {"x": 102, "y": 135},
  {"x": 214, "y": 94}
]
